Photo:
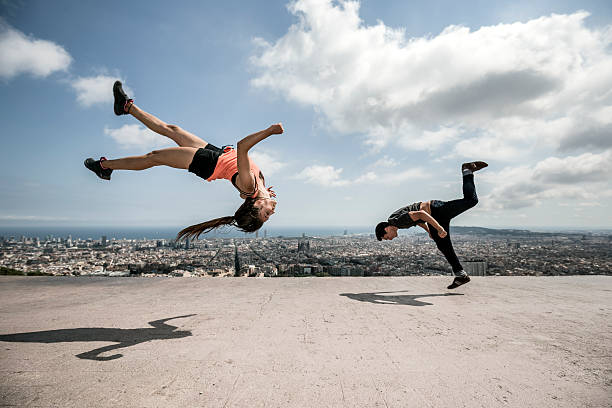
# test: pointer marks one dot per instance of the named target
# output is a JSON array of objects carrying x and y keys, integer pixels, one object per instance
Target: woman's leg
[
  {"x": 177, "y": 157},
  {"x": 180, "y": 136}
]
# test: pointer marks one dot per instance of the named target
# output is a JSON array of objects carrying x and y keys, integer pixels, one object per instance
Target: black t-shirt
[{"x": 401, "y": 218}]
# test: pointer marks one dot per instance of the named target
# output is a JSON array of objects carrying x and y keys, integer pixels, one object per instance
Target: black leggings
[{"x": 444, "y": 211}]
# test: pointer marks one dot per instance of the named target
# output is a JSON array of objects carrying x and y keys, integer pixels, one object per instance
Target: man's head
[{"x": 385, "y": 231}]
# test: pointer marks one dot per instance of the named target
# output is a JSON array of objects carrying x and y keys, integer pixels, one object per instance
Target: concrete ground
[{"x": 305, "y": 342}]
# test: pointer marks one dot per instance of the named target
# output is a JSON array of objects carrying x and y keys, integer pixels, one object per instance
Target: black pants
[{"x": 444, "y": 211}]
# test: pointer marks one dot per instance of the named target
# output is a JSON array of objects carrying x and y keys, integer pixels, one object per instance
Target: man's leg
[
  {"x": 453, "y": 208},
  {"x": 446, "y": 247}
]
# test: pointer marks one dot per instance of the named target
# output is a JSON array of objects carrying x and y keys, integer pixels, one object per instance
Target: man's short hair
[{"x": 380, "y": 230}]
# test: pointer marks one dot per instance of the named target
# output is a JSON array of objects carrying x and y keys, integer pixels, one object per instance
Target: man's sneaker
[
  {"x": 122, "y": 102},
  {"x": 474, "y": 166},
  {"x": 458, "y": 281},
  {"x": 96, "y": 167}
]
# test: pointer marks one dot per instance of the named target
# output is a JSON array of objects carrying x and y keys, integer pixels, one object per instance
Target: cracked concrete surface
[{"x": 305, "y": 342}]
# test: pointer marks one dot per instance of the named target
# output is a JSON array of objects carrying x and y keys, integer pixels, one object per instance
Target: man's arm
[{"x": 423, "y": 216}]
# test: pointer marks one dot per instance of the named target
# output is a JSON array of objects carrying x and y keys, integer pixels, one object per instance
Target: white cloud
[
  {"x": 584, "y": 177},
  {"x": 458, "y": 87},
  {"x": 97, "y": 89},
  {"x": 385, "y": 161},
  {"x": 130, "y": 136},
  {"x": 330, "y": 176},
  {"x": 267, "y": 162},
  {"x": 393, "y": 178},
  {"x": 486, "y": 148},
  {"x": 427, "y": 139},
  {"x": 401, "y": 177},
  {"x": 367, "y": 177},
  {"x": 21, "y": 54},
  {"x": 322, "y": 175}
]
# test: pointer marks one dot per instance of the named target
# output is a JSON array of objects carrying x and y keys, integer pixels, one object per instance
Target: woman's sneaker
[
  {"x": 122, "y": 102},
  {"x": 96, "y": 167},
  {"x": 458, "y": 281}
]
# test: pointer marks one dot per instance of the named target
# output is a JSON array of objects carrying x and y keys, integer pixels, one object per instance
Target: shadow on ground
[
  {"x": 385, "y": 298},
  {"x": 123, "y": 337}
]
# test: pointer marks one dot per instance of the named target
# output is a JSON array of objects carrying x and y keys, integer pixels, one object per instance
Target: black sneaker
[
  {"x": 474, "y": 166},
  {"x": 96, "y": 167},
  {"x": 121, "y": 99},
  {"x": 458, "y": 281}
]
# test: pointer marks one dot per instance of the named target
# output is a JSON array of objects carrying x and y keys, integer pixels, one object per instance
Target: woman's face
[{"x": 266, "y": 208}]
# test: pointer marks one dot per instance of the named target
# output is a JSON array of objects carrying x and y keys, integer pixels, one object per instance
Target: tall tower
[{"x": 236, "y": 260}]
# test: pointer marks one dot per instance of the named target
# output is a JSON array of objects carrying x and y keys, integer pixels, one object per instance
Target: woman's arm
[
  {"x": 422, "y": 215},
  {"x": 245, "y": 179}
]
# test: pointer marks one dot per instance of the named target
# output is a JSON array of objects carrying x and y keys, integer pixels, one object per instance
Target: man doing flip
[{"x": 434, "y": 217}]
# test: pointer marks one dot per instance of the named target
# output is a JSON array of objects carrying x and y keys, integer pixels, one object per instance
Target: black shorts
[{"x": 205, "y": 160}]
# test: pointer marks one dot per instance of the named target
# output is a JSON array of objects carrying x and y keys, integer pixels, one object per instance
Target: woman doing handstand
[{"x": 203, "y": 159}]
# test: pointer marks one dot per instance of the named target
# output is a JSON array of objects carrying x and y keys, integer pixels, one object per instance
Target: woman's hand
[
  {"x": 441, "y": 233},
  {"x": 276, "y": 129},
  {"x": 272, "y": 193}
]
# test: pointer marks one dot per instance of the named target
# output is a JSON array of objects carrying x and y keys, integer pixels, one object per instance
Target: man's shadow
[
  {"x": 124, "y": 337},
  {"x": 410, "y": 300}
]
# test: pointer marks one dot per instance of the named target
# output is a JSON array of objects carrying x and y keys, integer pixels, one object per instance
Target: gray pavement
[{"x": 305, "y": 342}]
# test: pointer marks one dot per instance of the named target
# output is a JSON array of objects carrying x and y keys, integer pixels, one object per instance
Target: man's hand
[
  {"x": 442, "y": 233},
  {"x": 276, "y": 129}
]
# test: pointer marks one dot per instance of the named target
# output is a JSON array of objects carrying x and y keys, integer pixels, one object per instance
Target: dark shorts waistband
[{"x": 205, "y": 160}]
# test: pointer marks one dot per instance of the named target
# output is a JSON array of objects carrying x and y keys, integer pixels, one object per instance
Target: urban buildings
[{"x": 498, "y": 253}]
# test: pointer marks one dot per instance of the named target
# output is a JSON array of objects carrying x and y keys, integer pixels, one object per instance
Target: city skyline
[
  {"x": 495, "y": 253},
  {"x": 381, "y": 103}
]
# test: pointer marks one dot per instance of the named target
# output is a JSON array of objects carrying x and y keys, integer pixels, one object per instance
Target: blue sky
[{"x": 381, "y": 101}]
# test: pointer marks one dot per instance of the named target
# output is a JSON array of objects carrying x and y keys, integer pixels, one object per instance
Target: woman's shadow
[
  {"x": 382, "y": 298},
  {"x": 123, "y": 337}
]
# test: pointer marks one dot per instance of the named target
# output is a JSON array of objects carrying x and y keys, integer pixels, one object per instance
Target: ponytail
[
  {"x": 194, "y": 231},
  {"x": 246, "y": 219}
]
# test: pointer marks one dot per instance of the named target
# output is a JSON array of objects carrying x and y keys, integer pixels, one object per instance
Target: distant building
[
  {"x": 475, "y": 267},
  {"x": 304, "y": 246}
]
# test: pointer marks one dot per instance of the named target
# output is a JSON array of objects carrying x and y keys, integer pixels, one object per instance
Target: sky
[{"x": 381, "y": 102}]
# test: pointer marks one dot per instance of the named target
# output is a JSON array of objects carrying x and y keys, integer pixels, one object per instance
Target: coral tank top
[{"x": 227, "y": 166}]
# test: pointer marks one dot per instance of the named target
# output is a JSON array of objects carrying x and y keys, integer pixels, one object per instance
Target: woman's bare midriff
[{"x": 426, "y": 206}]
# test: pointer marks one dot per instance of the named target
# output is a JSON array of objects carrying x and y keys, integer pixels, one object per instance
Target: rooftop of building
[{"x": 305, "y": 342}]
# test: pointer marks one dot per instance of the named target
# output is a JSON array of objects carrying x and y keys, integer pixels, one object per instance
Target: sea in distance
[{"x": 169, "y": 233}]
